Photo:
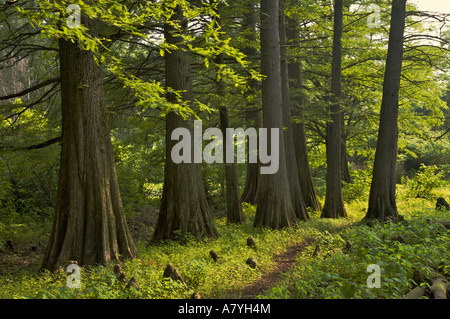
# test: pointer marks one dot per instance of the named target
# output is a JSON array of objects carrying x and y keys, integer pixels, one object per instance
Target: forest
[{"x": 224, "y": 149}]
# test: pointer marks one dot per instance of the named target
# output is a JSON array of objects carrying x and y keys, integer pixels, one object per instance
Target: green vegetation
[
  {"x": 334, "y": 273},
  {"x": 397, "y": 248},
  {"x": 85, "y": 119}
]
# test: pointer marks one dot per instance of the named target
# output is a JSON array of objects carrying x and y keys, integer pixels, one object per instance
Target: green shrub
[
  {"x": 341, "y": 273},
  {"x": 422, "y": 184},
  {"x": 360, "y": 186}
]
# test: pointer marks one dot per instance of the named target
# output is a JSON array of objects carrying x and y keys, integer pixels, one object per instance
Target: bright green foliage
[
  {"x": 28, "y": 178},
  {"x": 334, "y": 273},
  {"x": 130, "y": 48},
  {"x": 51, "y": 18},
  {"x": 340, "y": 273},
  {"x": 214, "y": 279},
  {"x": 139, "y": 157},
  {"x": 360, "y": 186},
  {"x": 424, "y": 181}
]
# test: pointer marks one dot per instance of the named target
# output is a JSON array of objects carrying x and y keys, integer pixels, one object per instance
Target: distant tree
[
  {"x": 382, "y": 201},
  {"x": 291, "y": 163},
  {"x": 252, "y": 109},
  {"x": 235, "y": 213},
  {"x": 334, "y": 203},
  {"x": 299, "y": 130}
]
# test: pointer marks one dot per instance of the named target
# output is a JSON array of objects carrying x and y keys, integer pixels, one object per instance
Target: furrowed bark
[
  {"x": 334, "y": 203},
  {"x": 274, "y": 205},
  {"x": 184, "y": 206},
  {"x": 382, "y": 202},
  {"x": 89, "y": 225}
]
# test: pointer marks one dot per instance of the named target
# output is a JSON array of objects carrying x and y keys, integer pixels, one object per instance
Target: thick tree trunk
[
  {"x": 299, "y": 130},
  {"x": 183, "y": 206},
  {"x": 274, "y": 205},
  {"x": 252, "y": 111},
  {"x": 89, "y": 224},
  {"x": 334, "y": 203},
  {"x": 382, "y": 201},
  {"x": 291, "y": 163}
]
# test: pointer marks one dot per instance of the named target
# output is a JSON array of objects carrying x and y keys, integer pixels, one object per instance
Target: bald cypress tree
[
  {"x": 183, "y": 206},
  {"x": 89, "y": 224},
  {"x": 334, "y": 202},
  {"x": 274, "y": 205},
  {"x": 299, "y": 129},
  {"x": 291, "y": 163},
  {"x": 382, "y": 202}
]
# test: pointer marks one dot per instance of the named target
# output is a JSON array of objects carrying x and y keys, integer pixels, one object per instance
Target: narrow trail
[{"x": 284, "y": 262}]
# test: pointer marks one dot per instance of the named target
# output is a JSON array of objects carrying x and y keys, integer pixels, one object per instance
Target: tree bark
[
  {"x": 291, "y": 163},
  {"x": 252, "y": 111},
  {"x": 184, "y": 206},
  {"x": 415, "y": 293},
  {"x": 89, "y": 224},
  {"x": 251, "y": 183},
  {"x": 334, "y": 203},
  {"x": 299, "y": 130},
  {"x": 274, "y": 205},
  {"x": 439, "y": 286},
  {"x": 235, "y": 214},
  {"x": 382, "y": 201},
  {"x": 345, "y": 172}
]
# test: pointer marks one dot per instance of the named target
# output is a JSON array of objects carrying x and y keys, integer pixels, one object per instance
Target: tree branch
[
  {"x": 442, "y": 135},
  {"x": 33, "y": 147},
  {"x": 31, "y": 89}
]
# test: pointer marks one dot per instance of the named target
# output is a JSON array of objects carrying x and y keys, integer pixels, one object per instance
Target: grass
[{"x": 230, "y": 274}]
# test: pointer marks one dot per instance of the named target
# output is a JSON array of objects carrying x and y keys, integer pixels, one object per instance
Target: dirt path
[{"x": 284, "y": 261}]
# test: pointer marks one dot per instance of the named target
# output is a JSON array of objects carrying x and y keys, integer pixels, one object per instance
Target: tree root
[
  {"x": 439, "y": 288},
  {"x": 120, "y": 275},
  {"x": 174, "y": 274},
  {"x": 446, "y": 224}
]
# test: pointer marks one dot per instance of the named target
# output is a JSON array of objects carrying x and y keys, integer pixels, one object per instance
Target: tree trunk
[
  {"x": 334, "y": 203},
  {"x": 183, "y": 206},
  {"x": 89, "y": 224},
  {"x": 299, "y": 130},
  {"x": 291, "y": 163},
  {"x": 345, "y": 172},
  {"x": 382, "y": 202},
  {"x": 252, "y": 111},
  {"x": 235, "y": 214},
  {"x": 274, "y": 205},
  {"x": 251, "y": 183}
]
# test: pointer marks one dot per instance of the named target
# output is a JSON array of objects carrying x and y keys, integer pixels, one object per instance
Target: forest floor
[
  {"x": 23, "y": 258},
  {"x": 286, "y": 266},
  {"x": 283, "y": 263}
]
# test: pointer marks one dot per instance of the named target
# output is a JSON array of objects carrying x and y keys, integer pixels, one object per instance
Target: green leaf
[{"x": 349, "y": 290}]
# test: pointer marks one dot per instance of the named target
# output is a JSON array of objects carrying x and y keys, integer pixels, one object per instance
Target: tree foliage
[{"x": 223, "y": 41}]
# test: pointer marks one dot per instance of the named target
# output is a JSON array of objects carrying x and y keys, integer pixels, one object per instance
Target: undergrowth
[
  {"x": 346, "y": 273},
  {"x": 396, "y": 249},
  {"x": 334, "y": 273}
]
